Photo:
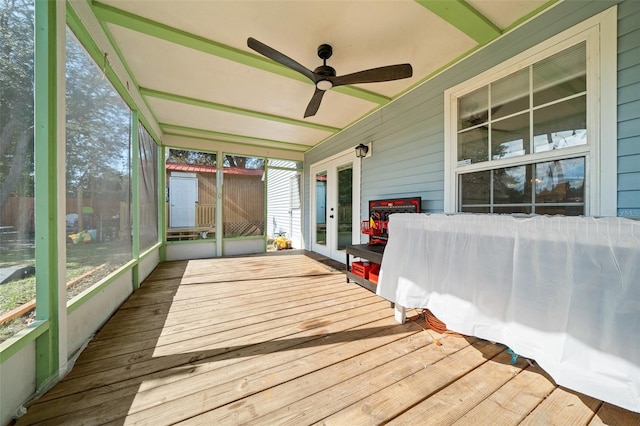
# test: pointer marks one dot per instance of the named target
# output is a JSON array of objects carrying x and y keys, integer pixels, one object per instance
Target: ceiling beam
[
  {"x": 235, "y": 110},
  {"x": 164, "y": 32},
  {"x": 233, "y": 138},
  {"x": 465, "y": 18}
]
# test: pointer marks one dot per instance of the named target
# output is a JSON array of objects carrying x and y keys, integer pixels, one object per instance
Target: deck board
[{"x": 283, "y": 339}]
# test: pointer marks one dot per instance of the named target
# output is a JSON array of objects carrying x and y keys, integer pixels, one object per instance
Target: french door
[{"x": 335, "y": 205}]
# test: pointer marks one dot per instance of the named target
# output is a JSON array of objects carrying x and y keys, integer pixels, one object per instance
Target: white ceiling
[{"x": 192, "y": 66}]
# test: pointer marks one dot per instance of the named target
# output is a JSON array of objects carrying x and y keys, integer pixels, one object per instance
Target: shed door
[{"x": 183, "y": 196}]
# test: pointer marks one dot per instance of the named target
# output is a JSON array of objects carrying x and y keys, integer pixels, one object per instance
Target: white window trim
[{"x": 600, "y": 33}]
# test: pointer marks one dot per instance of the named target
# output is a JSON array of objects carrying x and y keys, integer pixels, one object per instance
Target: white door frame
[{"x": 331, "y": 165}]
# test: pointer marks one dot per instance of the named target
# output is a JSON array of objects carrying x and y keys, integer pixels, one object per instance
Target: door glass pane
[
  {"x": 560, "y": 125},
  {"x": 321, "y": 208},
  {"x": 473, "y": 108},
  {"x": 561, "y": 75},
  {"x": 512, "y": 185},
  {"x": 473, "y": 145},
  {"x": 510, "y": 94},
  {"x": 510, "y": 137},
  {"x": 345, "y": 205}
]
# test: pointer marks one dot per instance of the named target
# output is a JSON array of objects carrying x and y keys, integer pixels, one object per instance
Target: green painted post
[
  {"x": 135, "y": 195},
  {"x": 46, "y": 188},
  {"x": 162, "y": 201}
]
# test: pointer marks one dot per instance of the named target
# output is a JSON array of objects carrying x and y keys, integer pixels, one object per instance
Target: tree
[
  {"x": 16, "y": 98},
  {"x": 97, "y": 128}
]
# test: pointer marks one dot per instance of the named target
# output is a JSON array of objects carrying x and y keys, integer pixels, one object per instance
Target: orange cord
[{"x": 433, "y": 323}]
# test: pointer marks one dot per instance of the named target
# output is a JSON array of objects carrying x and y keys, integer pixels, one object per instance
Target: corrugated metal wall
[{"x": 629, "y": 109}]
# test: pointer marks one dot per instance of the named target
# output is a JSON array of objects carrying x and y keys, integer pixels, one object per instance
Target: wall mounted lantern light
[{"x": 361, "y": 150}]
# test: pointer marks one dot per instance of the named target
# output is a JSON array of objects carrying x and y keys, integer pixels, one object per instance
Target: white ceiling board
[
  {"x": 178, "y": 70},
  {"x": 505, "y": 12},
  {"x": 206, "y": 119},
  {"x": 169, "y": 60},
  {"x": 363, "y": 34}
]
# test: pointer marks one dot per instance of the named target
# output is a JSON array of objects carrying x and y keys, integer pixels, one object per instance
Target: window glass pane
[
  {"x": 510, "y": 137},
  {"x": 148, "y": 189},
  {"x": 191, "y": 194},
  {"x": 17, "y": 243},
  {"x": 561, "y": 75},
  {"x": 473, "y": 145},
  {"x": 473, "y": 108},
  {"x": 560, "y": 125},
  {"x": 510, "y": 94},
  {"x": 321, "y": 203},
  {"x": 512, "y": 185},
  {"x": 244, "y": 195},
  {"x": 98, "y": 173},
  {"x": 524, "y": 209},
  {"x": 563, "y": 210},
  {"x": 475, "y": 188},
  {"x": 560, "y": 181},
  {"x": 345, "y": 205},
  {"x": 466, "y": 209}
]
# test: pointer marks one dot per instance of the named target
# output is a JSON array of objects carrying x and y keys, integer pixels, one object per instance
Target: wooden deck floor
[{"x": 284, "y": 340}]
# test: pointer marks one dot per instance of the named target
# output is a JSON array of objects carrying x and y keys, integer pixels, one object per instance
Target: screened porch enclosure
[{"x": 150, "y": 157}]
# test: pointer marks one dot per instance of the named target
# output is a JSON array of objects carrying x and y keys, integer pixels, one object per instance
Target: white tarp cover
[{"x": 564, "y": 291}]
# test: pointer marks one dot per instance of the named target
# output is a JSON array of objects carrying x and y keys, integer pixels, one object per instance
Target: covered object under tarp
[{"x": 564, "y": 291}]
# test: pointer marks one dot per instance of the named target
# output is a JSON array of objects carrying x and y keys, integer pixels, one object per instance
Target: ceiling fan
[{"x": 325, "y": 77}]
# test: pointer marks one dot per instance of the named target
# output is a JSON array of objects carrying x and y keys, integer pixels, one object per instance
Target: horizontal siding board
[
  {"x": 629, "y": 93},
  {"x": 629, "y": 199},
  {"x": 628, "y": 76},
  {"x": 628, "y": 41},
  {"x": 629, "y": 181},
  {"x": 629, "y": 111},
  {"x": 628, "y": 164},
  {"x": 630, "y": 213},
  {"x": 628, "y": 129},
  {"x": 629, "y": 58},
  {"x": 404, "y": 170},
  {"x": 628, "y": 8},
  {"x": 629, "y": 146},
  {"x": 628, "y": 23}
]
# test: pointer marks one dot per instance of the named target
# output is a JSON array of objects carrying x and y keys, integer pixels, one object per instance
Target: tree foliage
[
  {"x": 97, "y": 127},
  {"x": 16, "y": 98}
]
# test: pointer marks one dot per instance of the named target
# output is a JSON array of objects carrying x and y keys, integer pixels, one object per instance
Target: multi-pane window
[{"x": 521, "y": 140}]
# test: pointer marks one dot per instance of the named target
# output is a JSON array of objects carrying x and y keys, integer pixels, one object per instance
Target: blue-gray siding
[
  {"x": 408, "y": 134},
  {"x": 629, "y": 109}
]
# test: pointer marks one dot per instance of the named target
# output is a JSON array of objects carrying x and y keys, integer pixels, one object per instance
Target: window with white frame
[{"x": 526, "y": 136}]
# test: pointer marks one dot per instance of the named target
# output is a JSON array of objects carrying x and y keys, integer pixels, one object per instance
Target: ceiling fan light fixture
[{"x": 324, "y": 85}]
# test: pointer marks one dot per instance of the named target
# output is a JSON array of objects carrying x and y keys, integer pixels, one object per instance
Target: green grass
[{"x": 81, "y": 258}]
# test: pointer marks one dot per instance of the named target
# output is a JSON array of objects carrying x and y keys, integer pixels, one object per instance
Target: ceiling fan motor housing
[{"x": 325, "y": 51}]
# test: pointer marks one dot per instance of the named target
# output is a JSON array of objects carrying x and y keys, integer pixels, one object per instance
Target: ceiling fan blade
[
  {"x": 375, "y": 75},
  {"x": 314, "y": 104},
  {"x": 273, "y": 54}
]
